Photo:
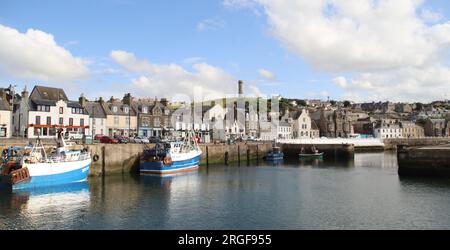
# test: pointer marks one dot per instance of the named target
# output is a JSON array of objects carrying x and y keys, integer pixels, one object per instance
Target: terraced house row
[{"x": 46, "y": 109}]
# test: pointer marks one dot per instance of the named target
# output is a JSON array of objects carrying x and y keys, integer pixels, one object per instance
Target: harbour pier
[{"x": 424, "y": 161}]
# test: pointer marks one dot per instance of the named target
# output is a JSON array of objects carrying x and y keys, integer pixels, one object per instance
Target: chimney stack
[
  {"x": 241, "y": 88},
  {"x": 164, "y": 101},
  {"x": 25, "y": 93},
  {"x": 82, "y": 100},
  {"x": 127, "y": 99}
]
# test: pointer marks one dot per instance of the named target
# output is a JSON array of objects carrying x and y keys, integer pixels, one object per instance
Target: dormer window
[
  {"x": 145, "y": 110},
  {"x": 114, "y": 109},
  {"x": 126, "y": 110}
]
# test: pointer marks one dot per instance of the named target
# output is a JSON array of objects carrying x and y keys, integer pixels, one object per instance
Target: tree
[
  {"x": 419, "y": 106},
  {"x": 301, "y": 103},
  {"x": 347, "y": 104}
]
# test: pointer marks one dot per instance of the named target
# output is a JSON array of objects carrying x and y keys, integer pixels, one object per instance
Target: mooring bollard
[
  {"x": 226, "y": 158},
  {"x": 248, "y": 157},
  {"x": 239, "y": 155},
  {"x": 207, "y": 156},
  {"x": 103, "y": 161},
  {"x": 257, "y": 155}
]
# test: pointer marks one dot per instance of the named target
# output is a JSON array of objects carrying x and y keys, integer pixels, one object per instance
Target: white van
[{"x": 74, "y": 135}]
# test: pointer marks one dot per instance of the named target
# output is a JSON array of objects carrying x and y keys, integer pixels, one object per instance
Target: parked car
[
  {"x": 154, "y": 139},
  {"x": 122, "y": 139},
  {"x": 107, "y": 139},
  {"x": 98, "y": 137},
  {"x": 74, "y": 135},
  {"x": 139, "y": 139}
]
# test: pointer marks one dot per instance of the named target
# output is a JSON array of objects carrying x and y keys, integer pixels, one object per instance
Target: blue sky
[{"x": 239, "y": 39}]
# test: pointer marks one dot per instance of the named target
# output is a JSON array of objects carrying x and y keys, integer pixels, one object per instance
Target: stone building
[
  {"x": 153, "y": 117},
  {"x": 403, "y": 108},
  {"x": 412, "y": 130},
  {"x": 383, "y": 107},
  {"x": 435, "y": 127},
  {"x": 333, "y": 123},
  {"x": 121, "y": 118}
]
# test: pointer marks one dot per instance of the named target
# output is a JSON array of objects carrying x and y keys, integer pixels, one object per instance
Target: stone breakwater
[{"x": 424, "y": 161}]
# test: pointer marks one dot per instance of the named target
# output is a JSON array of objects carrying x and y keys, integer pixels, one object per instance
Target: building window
[
  {"x": 157, "y": 122},
  {"x": 70, "y": 121},
  {"x": 61, "y": 121},
  {"x": 49, "y": 120},
  {"x": 114, "y": 109},
  {"x": 61, "y": 110},
  {"x": 82, "y": 122},
  {"x": 38, "y": 120},
  {"x": 126, "y": 110},
  {"x": 116, "y": 120},
  {"x": 145, "y": 110},
  {"x": 47, "y": 108},
  {"x": 127, "y": 120}
]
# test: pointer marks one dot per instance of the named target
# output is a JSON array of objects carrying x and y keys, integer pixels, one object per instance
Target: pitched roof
[
  {"x": 314, "y": 125},
  {"x": 48, "y": 93},
  {"x": 95, "y": 110},
  {"x": 108, "y": 107},
  {"x": 4, "y": 104}
]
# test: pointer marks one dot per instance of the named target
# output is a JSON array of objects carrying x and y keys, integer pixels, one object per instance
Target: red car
[
  {"x": 98, "y": 137},
  {"x": 106, "y": 139}
]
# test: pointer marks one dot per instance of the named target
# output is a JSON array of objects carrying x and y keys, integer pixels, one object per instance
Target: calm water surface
[{"x": 366, "y": 193}]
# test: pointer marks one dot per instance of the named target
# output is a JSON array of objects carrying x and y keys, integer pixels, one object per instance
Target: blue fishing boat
[
  {"x": 32, "y": 167},
  {"x": 274, "y": 155},
  {"x": 171, "y": 157}
]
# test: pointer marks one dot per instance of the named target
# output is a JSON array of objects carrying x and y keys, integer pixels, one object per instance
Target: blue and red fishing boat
[{"x": 171, "y": 157}]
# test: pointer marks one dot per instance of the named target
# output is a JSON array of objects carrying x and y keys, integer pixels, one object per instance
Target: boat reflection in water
[
  {"x": 62, "y": 203},
  {"x": 275, "y": 163},
  {"x": 314, "y": 162},
  {"x": 166, "y": 180}
]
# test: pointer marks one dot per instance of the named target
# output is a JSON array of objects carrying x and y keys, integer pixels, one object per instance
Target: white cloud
[
  {"x": 430, "y": 16},
  {"x": 171, "y": 79},
  {"x": 239, "y": 3},
  {"x": 193, "y": 60},
  {"x": 210, "y": 24},
  {"x": 35, "y": 55},
  {"x": 390, "y": 48},
  {"x": 267, "y": 74}
]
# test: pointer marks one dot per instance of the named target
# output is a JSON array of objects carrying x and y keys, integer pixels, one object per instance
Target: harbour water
[{"x": 365, "y": 193}]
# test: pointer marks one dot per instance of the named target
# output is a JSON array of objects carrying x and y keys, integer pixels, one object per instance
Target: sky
[{"x": 367, "y": 50}]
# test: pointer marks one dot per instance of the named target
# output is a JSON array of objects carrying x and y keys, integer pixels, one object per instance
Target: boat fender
[{"x": 95, "y": 158}]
